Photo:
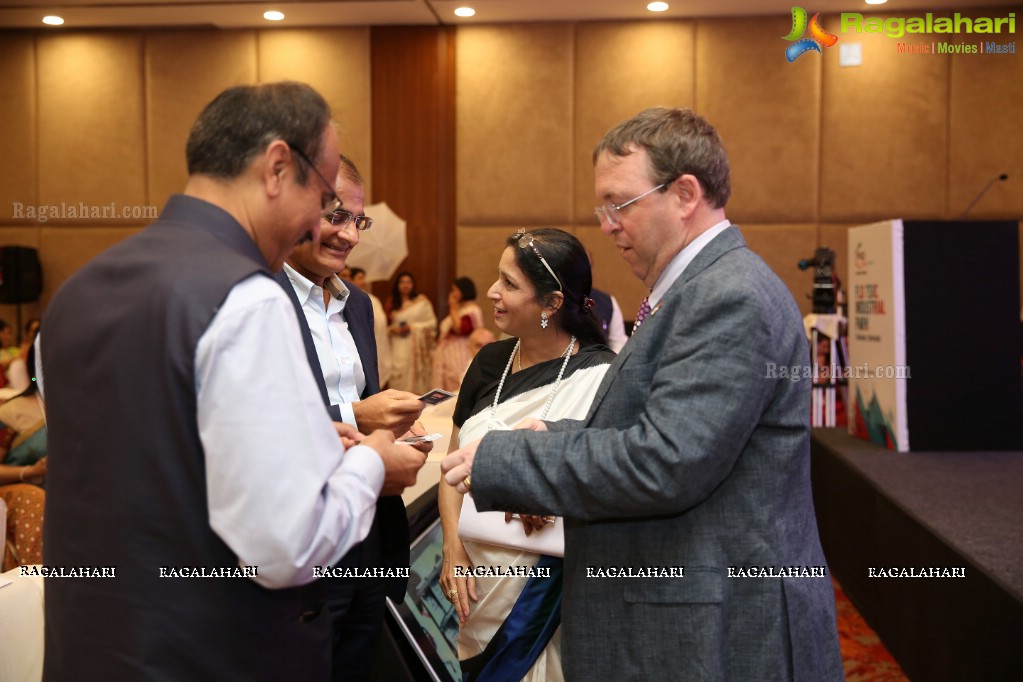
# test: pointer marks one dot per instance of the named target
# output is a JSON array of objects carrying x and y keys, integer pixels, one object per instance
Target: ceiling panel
[{"x": 245, "y": 13}]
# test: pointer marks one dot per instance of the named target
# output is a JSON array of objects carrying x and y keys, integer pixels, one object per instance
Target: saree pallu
[{"x": 501, "y": 597}]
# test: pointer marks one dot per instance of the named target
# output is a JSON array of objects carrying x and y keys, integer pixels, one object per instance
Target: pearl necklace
[{"x": 507, "y": 368}]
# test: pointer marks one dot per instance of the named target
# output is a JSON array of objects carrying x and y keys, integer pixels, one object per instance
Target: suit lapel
[
  {"x": 357, "y": 314},
  {"x": 728, "y": 240}
]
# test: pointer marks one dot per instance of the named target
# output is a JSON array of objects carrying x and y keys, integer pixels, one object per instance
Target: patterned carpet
[{"x": 864, "y": 657}]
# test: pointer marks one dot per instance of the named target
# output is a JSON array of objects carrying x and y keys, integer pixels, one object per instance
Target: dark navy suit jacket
[{"x": 391, "y": 522}]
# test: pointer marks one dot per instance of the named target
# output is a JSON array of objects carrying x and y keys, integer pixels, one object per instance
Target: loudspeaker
[{"x": 21, "y": 277}]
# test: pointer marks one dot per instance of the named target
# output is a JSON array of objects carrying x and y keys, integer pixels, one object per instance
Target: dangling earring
[{"x": 543, "y": 320}]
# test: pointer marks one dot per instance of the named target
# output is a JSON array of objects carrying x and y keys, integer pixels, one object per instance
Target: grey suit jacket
[{"x": 691, "y": 455}]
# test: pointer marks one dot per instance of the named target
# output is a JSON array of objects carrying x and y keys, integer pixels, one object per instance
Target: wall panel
[
  {"x": 621, "y": 69},
  {"x": 63, "y": 250},
  {"x": 92, "y": 133},
  {"x": 18, "y": 123},
  {"x": 335, "y": 61},
  {"x": 514, "y": 124},
  {"x": 185, "y": 70},
  {"x": 782, "y": 246},
  {"x": 413, "y": 85},
  {"x": 884, "y": 132},
  {"x": 767, "y": 111},
  {"x": 986, "y": 116}
]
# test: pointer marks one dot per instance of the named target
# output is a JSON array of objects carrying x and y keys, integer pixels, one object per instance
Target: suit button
[{"x": 310, "y": 615}]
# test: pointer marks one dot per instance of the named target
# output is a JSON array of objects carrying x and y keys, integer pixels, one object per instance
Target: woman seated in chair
[{"x": 22, "y": 470}]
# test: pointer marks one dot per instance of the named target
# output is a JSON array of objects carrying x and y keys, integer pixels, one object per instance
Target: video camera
[{"x": 825, "y": 283}]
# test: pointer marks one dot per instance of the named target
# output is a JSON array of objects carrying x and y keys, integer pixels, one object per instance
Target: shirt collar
[
  {"x": 677, "y": 265},
  {"x": 305, "y": 289}
]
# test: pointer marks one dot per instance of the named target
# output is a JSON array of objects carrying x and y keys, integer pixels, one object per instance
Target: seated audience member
[
  {"x": 22, "y": 468},
  {"x": 8, "y": 350},
  {"x": 453, "y": 353},
  {"x": 16, "y": 373}
]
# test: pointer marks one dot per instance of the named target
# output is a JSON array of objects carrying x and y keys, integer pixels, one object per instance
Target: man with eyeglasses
[
  {"x": 691, "y": 545},
  {"x": 337, "y": 326},
  {"x": 191, "y": 455}
]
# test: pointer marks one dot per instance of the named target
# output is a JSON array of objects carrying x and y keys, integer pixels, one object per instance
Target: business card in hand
[
  {"x": 412, "y": 440},
  {"x": 436, "y": 396}
]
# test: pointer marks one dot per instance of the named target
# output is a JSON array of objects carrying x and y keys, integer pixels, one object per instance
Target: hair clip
[{"x": 587, "y": 305}]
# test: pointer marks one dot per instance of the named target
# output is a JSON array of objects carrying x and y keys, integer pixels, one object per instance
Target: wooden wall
[
  {"x": 814, "y": 147},
  {"x": 472, "y": 132}
]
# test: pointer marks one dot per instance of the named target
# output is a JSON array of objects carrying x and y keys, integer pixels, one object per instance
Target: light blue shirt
[{"x": 339, "y": 359}]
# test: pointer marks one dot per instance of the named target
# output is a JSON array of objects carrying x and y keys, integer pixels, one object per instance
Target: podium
[{"x": 934, "y": 335}]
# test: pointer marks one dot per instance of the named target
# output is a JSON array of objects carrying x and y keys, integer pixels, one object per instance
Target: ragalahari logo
[{"x": 818, "y": 36}]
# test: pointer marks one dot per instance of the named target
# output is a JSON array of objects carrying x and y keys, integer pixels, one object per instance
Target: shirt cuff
[{"x": 364, "y": 461}]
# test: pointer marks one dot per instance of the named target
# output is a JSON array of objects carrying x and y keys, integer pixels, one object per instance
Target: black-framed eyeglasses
[
  {"x": 330, "y": 205},
  {"x": 526, "y": 241},
  {"x": 341, "y": 217},
  {"x": 610, "y": 211}
]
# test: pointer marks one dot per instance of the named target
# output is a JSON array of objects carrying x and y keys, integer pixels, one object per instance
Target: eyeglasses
[
  {"x": 330, "y": 205},
  {"x": 342, "y": 217},
  {"x": 526, "y": 240},
  {"x": 609, "y": 211}
]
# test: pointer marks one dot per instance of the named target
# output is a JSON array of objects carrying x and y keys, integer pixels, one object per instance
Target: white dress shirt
[
  {"x": 282, "y": 493},
  {"x": 339, "y": 358}
]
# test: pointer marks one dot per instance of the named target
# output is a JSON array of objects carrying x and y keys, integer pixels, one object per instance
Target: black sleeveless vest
[{"x": 126, "y": 484}]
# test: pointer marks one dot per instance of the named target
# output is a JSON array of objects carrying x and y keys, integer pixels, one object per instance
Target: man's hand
[
  {"x": 425, "y": 446},
  {"x": 401, "y": 463},
  {"x": 531, "y": 424},
  {"x": 458, "y": 465},
  {"x": 349, "y": 434},
  {"x": 393, "y": 410}
]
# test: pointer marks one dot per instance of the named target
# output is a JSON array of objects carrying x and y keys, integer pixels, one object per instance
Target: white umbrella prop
[{"x": 383, "y": 247}]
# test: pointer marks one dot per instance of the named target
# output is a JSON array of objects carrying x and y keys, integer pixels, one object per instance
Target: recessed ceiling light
[
  {"x": 657, "y": 6},
  {"x": 273, "y": 15},
  {"x": 53, "y": 20},
  {"x": 876, "y": 2},
  {"x": 465, "y": 12}
]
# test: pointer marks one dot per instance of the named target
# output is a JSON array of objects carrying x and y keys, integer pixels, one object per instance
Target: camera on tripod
[{"x": 825, "y": 282}]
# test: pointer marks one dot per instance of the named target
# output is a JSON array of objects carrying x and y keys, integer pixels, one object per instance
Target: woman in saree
[
  {"x": 22, "y": 470},
  {"x": 413, "y": 332},
  {"x": 454, "y": 348},
  {"x": 549, "y": 370}
]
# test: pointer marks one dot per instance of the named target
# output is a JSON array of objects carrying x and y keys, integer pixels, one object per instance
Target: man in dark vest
[
  {"x": 336, "y": 320},
  {"x": 189, "y": 452}
]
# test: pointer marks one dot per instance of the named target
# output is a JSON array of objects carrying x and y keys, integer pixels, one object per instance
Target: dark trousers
[{"x": 356, "y": 607}]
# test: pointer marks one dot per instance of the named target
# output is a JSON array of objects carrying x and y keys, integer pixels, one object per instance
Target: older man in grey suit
[{"x": 694, "y": 454}]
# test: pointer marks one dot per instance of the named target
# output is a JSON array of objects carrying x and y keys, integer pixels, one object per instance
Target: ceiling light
[
  {"x": 273, "y": 15},
  {"x": 465, "y": 12},
  {"x": 52, "y": 20},
  {"x": 657, "y": 6},
  {"x": 876, "y": 2}
]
